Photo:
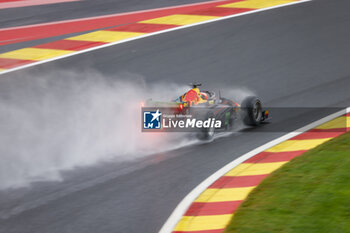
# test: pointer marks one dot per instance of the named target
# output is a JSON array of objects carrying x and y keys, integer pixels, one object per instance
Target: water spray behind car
[{"x": 65, "y": 120}]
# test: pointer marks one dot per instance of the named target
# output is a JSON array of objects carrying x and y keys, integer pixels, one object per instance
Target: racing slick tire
[{"x": 252, "y": 111}]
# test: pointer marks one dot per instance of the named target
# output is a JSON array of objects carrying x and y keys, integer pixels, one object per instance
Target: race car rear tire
[
  {"x": 251, "y": 111},
  {"x": 206, "y": 134}
]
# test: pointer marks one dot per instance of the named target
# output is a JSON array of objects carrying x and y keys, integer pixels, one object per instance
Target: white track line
[
  {"x": 188, "y": 200},
  {"x": 149, "y": 35}
]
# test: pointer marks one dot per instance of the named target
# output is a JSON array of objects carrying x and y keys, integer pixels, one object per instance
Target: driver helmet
[{"x": 204, "y": 96}]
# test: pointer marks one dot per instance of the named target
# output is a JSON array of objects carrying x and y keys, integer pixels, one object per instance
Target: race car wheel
[
  {"x": 231, "y": 121},
  {"x": 252, "y": 111},
  {"x": 206, "y": 133}
]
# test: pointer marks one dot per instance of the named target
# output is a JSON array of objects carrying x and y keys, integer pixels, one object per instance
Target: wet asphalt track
[
  {"x": 296, "y": 56},
  {"x": 20, "y": 16},
  {"x": 40, "y": 14}
]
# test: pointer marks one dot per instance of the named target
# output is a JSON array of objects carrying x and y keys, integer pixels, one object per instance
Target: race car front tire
[{"x": 251, "y": 111}]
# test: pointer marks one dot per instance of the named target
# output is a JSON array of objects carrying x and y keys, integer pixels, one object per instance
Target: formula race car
[{"x": 208, "y": 105}]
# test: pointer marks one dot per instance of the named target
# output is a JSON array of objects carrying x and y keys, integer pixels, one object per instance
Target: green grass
[{"x": 310, "y": 194}]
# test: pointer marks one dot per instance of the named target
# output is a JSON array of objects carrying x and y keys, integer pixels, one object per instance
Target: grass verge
[{"x": 310, "y": 194}]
